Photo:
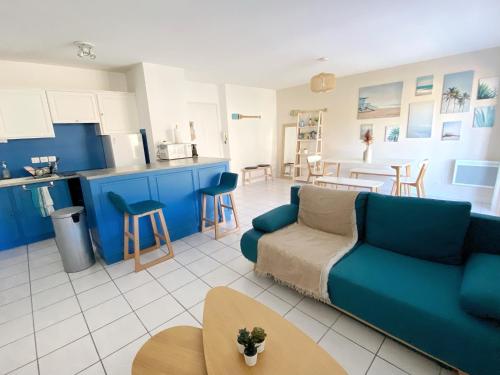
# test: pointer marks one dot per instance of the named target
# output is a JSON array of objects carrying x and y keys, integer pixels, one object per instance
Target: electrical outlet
[
  {"x": 52, "y": 158},
  {"x": 44, "y": 159},
  {"x": 35, "y": 160}
]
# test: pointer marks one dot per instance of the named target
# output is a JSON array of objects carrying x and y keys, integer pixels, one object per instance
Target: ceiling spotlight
[
  {"x": 322, "y": 59},
  {"x": 85, "y": 49}
]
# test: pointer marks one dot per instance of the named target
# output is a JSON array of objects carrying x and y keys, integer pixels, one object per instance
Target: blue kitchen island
[{"x": 176, "y": 183}]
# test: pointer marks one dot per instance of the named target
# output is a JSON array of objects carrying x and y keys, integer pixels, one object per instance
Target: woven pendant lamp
[{"x": 323, "y": 82}]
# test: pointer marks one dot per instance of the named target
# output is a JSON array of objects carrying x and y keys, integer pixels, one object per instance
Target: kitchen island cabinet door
[
  {"x": 10, "y": 234},
  {"x": 33, "y": 226}
]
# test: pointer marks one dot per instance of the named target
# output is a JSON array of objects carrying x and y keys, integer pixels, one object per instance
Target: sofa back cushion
[{"x": 422, "y": 228}]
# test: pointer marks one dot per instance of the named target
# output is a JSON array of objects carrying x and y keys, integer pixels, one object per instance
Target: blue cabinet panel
[
  {"x": 182, "y": 213},
  {"x": 20, "y": 221},
  {"x": 33, "y": 226},
  {"x": 10, "y": 234}
]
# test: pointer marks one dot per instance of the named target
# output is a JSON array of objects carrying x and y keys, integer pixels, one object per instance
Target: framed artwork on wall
[
  {"x": 484, "y": 117},
  {"x": 380, "y": 101},
  {"x": 363, "y": 128},
  {"x": 451, "y": 131},
  {"x": 420, "y": 118},
  {"x": 457, "y": 90},
  {"x": 487, "y": 88},
  {"x": 425, "y": 84},
  {"x": 392, "y": 133}
]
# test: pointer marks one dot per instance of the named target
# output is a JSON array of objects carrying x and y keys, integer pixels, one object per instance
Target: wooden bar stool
[
  {"x": 138, "y": 210},
  {"x": 228, "y": 182}
]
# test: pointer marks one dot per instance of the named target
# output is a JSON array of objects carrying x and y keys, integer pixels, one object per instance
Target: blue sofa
[{"x": 424, "y": 271}]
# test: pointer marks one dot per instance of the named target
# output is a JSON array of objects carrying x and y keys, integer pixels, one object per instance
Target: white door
[
  {"x": 25, "y": 114},
  {"x": 118, "y": 111},
  {"x": 204, "y": 118},
  {"x": 69, "y": 107}
]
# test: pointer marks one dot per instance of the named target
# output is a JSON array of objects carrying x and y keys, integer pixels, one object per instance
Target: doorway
[{"x": 205, "y": 126}]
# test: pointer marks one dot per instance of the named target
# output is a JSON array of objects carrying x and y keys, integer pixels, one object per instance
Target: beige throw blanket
[{"x": 302, "y": 254}]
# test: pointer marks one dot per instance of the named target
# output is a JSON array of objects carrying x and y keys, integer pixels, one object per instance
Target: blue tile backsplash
[{"x": 77, "y": 145}]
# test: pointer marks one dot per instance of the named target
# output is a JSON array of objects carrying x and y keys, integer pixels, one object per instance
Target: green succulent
[
  {"x": 258, "y": 335},
  {"x": 243, "y": 336}
]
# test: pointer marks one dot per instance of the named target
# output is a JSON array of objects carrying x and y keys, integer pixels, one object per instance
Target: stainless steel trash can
[{"x": 73, "y": 239}]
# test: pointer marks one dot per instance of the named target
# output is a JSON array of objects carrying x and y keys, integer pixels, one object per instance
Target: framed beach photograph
[
  {"x": 451, "y": 131},
  {"x": 380, "y": 101},
  {"x": 484, "y": 117},
  {"x": 457, "y": 90},
  {"x": 420, "y": 118},
  {"x": 363, "y": 128},
  {"x": 391, "y": 134},
  {"x": 487, "y": 88},
  {"x": 425, "y": 84}
]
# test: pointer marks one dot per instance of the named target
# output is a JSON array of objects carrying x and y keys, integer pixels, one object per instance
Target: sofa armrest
[
  {"x": 277, "y": 218},
  {"x": 483, "y": 234}
]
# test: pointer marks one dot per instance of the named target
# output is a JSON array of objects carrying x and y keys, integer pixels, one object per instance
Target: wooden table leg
[{"x": 398, "y": 179}]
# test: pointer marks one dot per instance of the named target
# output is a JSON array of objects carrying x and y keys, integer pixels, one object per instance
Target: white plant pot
[
  {"x": 261, "y": 346},
  {"x": 251, "y": 361},
  {"x": 241, "y": 348}
]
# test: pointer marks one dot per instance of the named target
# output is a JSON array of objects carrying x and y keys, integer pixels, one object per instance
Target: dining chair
[
  {"x": 406, "y": 183},
  {"x": 315, "y": 167}
]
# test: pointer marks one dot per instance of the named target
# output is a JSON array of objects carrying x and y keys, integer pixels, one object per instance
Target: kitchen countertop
[
  {"x": 110, "y": 172},
  {"x": 30, "y": 180},
  {"x": 158, "y": 165}
]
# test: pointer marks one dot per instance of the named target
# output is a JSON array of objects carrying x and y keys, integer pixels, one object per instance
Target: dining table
[{"x": 398, "y": 165}]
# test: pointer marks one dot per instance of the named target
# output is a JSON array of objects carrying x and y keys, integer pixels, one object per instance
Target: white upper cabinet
[
  {"x": 25, "y": 114},
  {"x": 69, "y": 107},
  {"x": 118, "y": 111}
]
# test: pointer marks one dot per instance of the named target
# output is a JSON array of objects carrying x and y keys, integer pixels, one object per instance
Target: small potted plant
[
  {"x": 250, "y": 353},
  {"x": 242, "y": 339},
  {"x": 259, "y": 337}
]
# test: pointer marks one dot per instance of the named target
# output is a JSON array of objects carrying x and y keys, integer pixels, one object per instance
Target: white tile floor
[{"x": 94, "y": 322}]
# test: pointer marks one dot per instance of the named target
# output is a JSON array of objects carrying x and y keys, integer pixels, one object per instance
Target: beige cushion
[{"x": 327, "y": 210}]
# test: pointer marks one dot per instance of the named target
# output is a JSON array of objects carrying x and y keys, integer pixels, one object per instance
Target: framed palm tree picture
[{"x": 457, "y": 90}]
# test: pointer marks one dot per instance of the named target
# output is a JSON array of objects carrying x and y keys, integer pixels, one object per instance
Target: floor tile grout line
[
  {"x": 33, "y": 316},
  {"x": 133, "y": 310},
  {"x": 87, "y": 325}
]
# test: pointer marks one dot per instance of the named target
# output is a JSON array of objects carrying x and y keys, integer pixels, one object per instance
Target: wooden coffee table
[{"x": 288, "y": 350}]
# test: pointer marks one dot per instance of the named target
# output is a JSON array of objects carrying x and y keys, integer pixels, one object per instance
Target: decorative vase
[
  {"x": 251, "y": 360},
  {"x": 367, "y": 154},
  {"x": 261, "y": 346},
  {"x": 241, "y": 348}
]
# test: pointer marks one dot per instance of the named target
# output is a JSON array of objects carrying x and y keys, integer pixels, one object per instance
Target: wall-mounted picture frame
[
  {"x": 424, "y": 85},
  {"x": 363, "y": 128},
  {"x": 487, "y": 88},
  {"x": 451, "y": 130},
  {"x": 420, "y": 118},
  {"x": 457, "y": 92},
  {"x": 380, "y": 101},
  {"x": 484, "y": 117},
  {"x": 392, "y": 133}
]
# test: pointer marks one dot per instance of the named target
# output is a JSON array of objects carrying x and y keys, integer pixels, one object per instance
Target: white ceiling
[{"x": 264, "y": 43}]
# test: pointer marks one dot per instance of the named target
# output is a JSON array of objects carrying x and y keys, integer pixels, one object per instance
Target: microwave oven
[{"x": 169, "y": 151}]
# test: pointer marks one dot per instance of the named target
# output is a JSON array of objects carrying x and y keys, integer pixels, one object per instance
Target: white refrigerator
[{"x": 123, "y": 150}]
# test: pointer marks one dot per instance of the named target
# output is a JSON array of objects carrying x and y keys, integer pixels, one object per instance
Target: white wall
[
  {"x": 15, "y": 74},
  {"x": 251, "y": 141},
  {"x": 341, "y": 131}
]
